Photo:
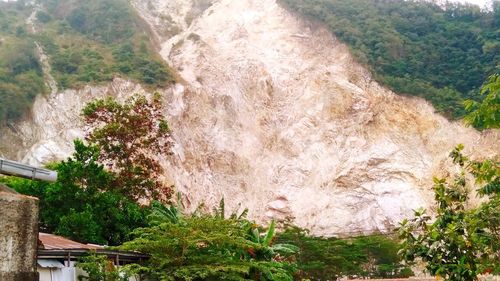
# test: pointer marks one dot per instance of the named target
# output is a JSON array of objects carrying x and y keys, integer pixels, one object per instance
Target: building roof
[
  {"x": 53, "y": 242},
  {"x": 56, "y": 247}
]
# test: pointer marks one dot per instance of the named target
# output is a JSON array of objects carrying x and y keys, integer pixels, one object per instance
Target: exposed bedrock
[{"x": 275, "y": 115}]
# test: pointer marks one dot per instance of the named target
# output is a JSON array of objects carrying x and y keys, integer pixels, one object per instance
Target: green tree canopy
[
  {"x": 460, "y": 243},
  {"x": 84, "y": 41},
  {"x": 21, "y": 77},
  {"x": 131, "y": 136},
  {"x": 97, "y": 203},
  {"x": 486, "y": 114},
  {"x": 319, "y": 258},
  {"x": 208, "y": 247},
  {"x": 83, "y": 205}
]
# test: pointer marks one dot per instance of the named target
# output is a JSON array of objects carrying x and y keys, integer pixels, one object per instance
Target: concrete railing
[{"x": 17, "y": 169}]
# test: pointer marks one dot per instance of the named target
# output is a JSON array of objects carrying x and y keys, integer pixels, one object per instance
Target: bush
[
  {"x": 43, "y": 17},
  {"x": 330, "y": 258},
  {"x": 209, "y": 247}
]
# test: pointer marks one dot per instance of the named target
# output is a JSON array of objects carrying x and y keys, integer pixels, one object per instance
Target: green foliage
[
  {"x": 21, "y": 78},
  {"x": 486, "y": 114},
  {"x": 99, "y": 268},
  {"x": 83, "y": 204},
  {"x": 461, "y": 243},
  {"x": 450, "y": 246},
  {"x": 330, "y": 258},
  {"x": 163, "y": 214},
  {"x": 416, "y": 47},
  {"x": 91, "y": 204},
  {"x": 93, "y": 41},
  {"x": 105, "y": 21},
  {"x": 265, "y": 249},
  {"x": 136, "y": 64},
  {"x": 486, "y": 173},
  {"x": 43, "y": 17},
  {"x": 128, "y": 135},
  {"x": 83, "y": 39},
  {"x": 207, "y": 247}
]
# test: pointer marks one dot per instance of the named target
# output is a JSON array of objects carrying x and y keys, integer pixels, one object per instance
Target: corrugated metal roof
[{"x": 51, "y": 242}]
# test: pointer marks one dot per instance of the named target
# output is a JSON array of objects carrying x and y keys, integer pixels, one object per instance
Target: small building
[{"x": 57, "y": 257}]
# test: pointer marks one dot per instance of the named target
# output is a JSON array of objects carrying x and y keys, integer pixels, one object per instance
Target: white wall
[
  {"x": 64, "y": 274},
  {"x": 57, "y": 274},
  {"x": 44, "y": 274}
]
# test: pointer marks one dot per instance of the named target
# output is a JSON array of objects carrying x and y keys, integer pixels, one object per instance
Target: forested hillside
[
  {"x": 21, "y": 77},
  {"x": 440, "y": 53},
  {"x": 87, "y": 42},
  {"x": 91, "y": 41}
]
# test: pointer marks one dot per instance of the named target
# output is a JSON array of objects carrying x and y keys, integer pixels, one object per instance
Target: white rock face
[
  {"x": 275, "y": 115},
  {"x": 170, "y": 17},
  {"x": 56, "y": 121}
]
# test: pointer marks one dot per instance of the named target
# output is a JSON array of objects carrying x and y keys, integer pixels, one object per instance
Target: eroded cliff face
[
  {"x": 275, "y": 115},
  {"x": 56, "y": 121}
]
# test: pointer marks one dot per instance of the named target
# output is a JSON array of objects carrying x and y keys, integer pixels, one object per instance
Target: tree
[
  {"x": 486, "y": 114},
  {"x": 131, "y": 137},
  {"x": 321, "y": 258},
  {"x": 21, "y": 78},
  {"x": 83, "y": 204},
  {"x": 462, "y": 242},
  {"x": 487, "y": 176},
  {"x": 208, "y": 247},
  {"x": 453, "y": 245},
  {"x": 99, "y": 268},
  {"x": 91, "y": 203}
]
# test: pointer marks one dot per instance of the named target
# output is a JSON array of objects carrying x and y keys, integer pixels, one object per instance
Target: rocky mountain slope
[{"x": 273, "y": 115}]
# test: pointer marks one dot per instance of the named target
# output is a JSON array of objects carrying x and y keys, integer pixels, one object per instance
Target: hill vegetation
[
  {"x": 320, "y": 258},
  {"x": 442, "y": 54},
  {"x": 21, "y": 77},
  {"x": 92, "y": 41},
  {"x": 88, "y": 42}
]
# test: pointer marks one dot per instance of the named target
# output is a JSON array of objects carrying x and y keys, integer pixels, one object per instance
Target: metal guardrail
[{"x": 8, "y": 167}]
